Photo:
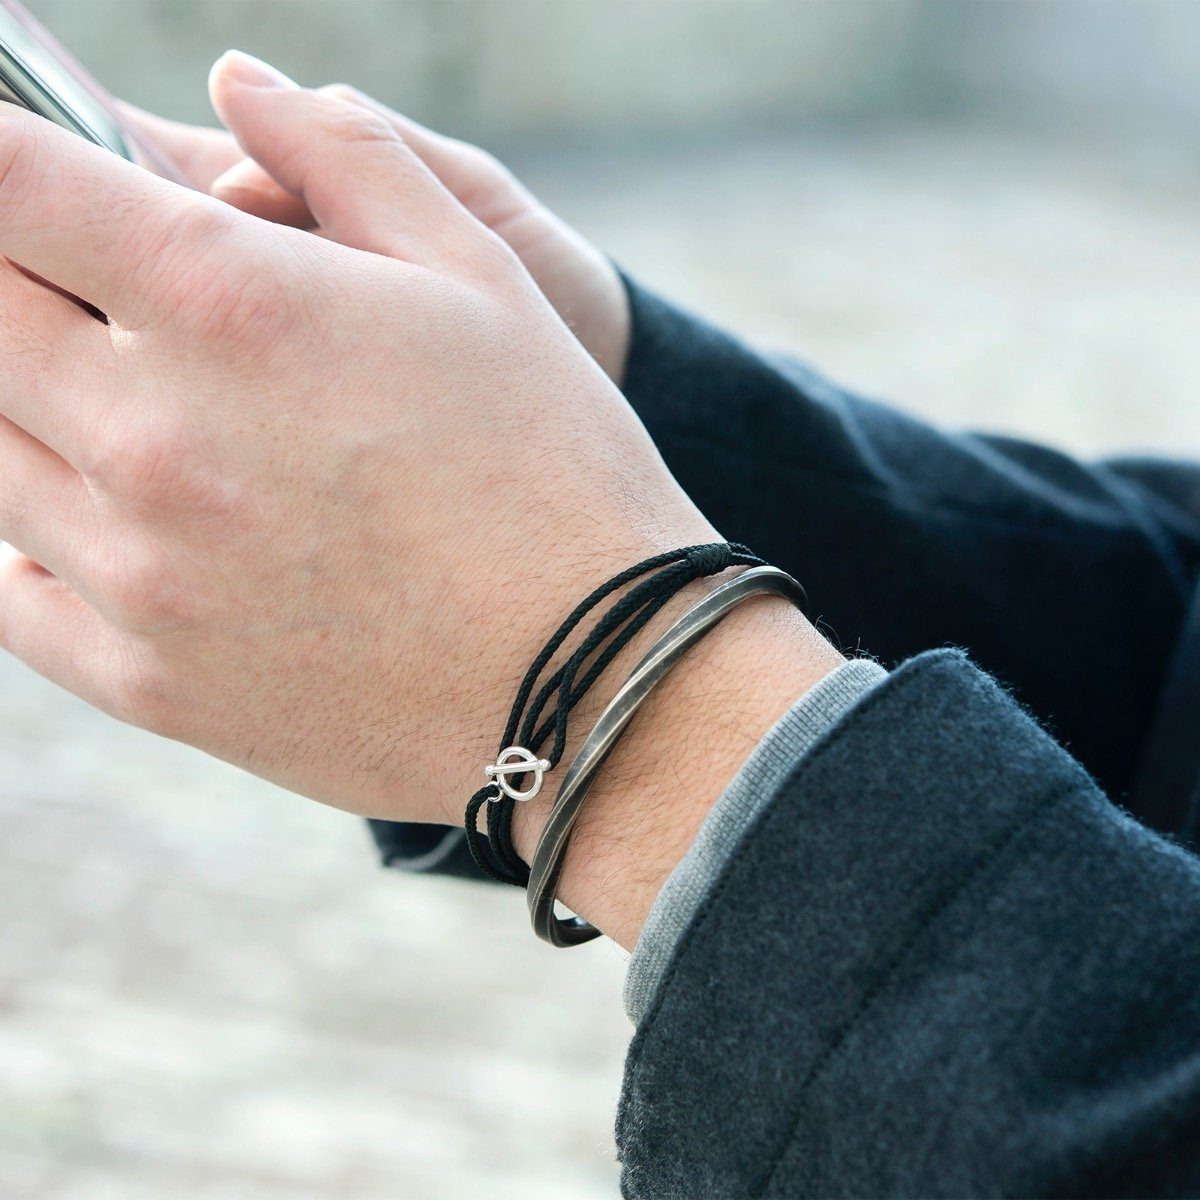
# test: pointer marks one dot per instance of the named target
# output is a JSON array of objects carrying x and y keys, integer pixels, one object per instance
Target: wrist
[{"x": 683, "y": 747}]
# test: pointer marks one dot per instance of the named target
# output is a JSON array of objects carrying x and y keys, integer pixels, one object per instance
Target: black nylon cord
[{"x": 672, "y": 571}]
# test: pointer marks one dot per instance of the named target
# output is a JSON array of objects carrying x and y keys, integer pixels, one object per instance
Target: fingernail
[
  {"x": 251, "y": 71},
  {"x": 243, "y": 176}
]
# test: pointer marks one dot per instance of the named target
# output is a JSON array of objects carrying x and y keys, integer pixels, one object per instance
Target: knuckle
[
  {"x": 251, "y": 311},
  {"x": 482, "y": 182},
  {"x": 345, "y": 92},
  {"x": 355, "y": 124},
  {"x": 144, "y": 594},
  {"x": 105, "y": 455},
  {"x": 492, "y": 261},
  {"x": 22, "y": 160},
  {"x": 145, "y": 694},
  {"x": 17, "y": 515},
  {"x": 208, "y": 268},
  {"x": 237, "y": 296},
  {"x": 161, "y": 468},
  {"x": 175, "y": 231},
  {"x": 485, "y": 166},
  {"x": 143, "y": 463},
  {"x": 26, "y": 343},
  {"x": 196, "y": 224}
]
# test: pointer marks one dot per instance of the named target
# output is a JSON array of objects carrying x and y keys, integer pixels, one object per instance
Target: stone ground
[{"x": 208, "y": 991}]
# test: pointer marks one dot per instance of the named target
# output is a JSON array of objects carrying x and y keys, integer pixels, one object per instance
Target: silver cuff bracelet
[{"x": 551, "y": 851}]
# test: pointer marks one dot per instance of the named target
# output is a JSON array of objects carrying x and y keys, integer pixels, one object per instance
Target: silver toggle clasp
[{"x": 516, "y": 760}]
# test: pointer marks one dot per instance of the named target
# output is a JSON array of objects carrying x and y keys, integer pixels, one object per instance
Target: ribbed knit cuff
[{"x": 771, "y": 761}]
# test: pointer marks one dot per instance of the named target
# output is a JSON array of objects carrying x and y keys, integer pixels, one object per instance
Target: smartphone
[{"x": 38, "y": 74}]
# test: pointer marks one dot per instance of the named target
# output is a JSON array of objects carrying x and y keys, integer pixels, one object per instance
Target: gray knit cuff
[{"x": 762, "y": 774}]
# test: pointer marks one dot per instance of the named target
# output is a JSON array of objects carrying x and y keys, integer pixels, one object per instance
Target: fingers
[
  {"x": 199, "y": 155},
  {"x": 472, "y": 176},
  {"x": 58, "y": 365},
  {"x": 102, "y": 228},
  {"x": 45, "y": 511},
  {"x": 206, "y": 156},
  {"x": 48, "y": 627},
  {"x": 362, "y": 184},
  {"x": 249, "y": 188}
]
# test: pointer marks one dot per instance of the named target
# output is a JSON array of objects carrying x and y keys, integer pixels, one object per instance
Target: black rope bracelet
[
  {"x": 695, "y": 624},
  {"x": 527, "y": 731}
]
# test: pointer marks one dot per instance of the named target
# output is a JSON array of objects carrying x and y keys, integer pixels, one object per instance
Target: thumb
[{"x": 346, "y": 163}]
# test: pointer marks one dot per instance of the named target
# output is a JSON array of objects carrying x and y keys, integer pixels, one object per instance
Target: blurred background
[{"x": 986, "y": 212}]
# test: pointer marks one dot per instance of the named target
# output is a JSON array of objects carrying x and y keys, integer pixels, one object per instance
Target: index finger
[{"x": 99, "y": 227}]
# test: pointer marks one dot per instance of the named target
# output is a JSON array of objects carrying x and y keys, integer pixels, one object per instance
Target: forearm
[{"x": 682, "y": 749}]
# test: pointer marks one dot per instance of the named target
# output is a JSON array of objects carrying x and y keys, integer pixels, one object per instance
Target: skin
[
  {"x": 312, "y": 504},
  {"x": 579, "y": 281}
]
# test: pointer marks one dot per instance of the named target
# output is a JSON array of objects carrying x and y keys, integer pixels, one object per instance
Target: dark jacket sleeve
[
  {"x": 940, "y": 963},
  {"x": 907, "y": 537}
]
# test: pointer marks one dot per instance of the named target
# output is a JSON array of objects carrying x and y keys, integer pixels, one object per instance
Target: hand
[
  {"x": 578, "y": 280},
  {"x": 312, "y": 504},
  {"x": 307, "y": 506}
]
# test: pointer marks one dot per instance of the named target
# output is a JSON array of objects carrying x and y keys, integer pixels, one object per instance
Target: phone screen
[{"x": 37, "y": 73}]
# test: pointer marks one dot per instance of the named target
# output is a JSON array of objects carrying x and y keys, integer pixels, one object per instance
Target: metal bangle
[{"x": 551, "y": 850}]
